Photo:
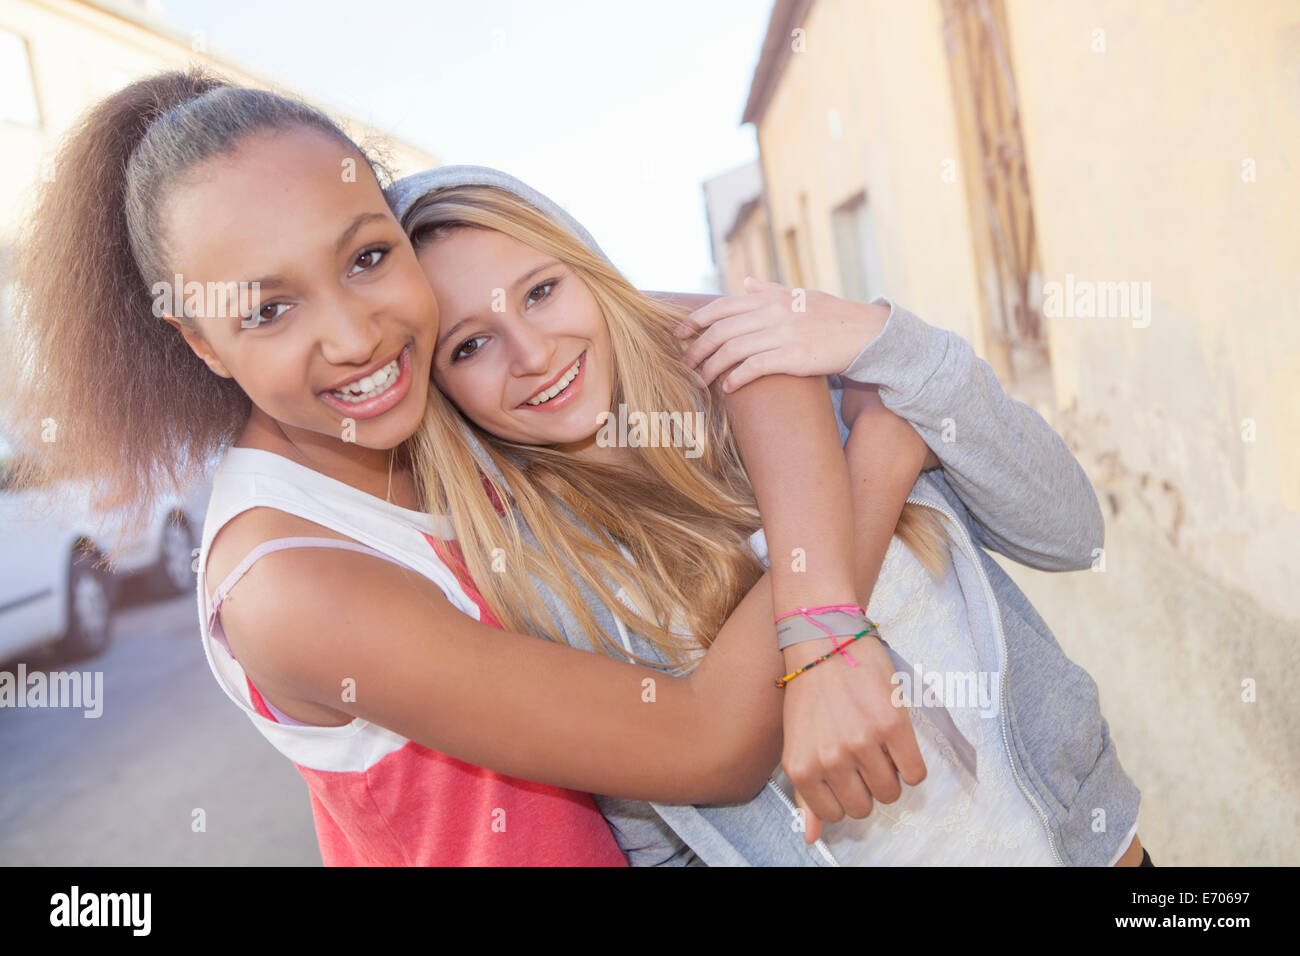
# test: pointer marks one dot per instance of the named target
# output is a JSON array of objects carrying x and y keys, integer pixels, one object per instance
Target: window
[
  {"x": 861, "y": 277},
  {"x": 792, "y": 257},
  {"x": 17, "y": 88}
]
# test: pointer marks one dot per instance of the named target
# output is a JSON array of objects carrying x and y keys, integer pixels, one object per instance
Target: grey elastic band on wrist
[
  {"x": 797, "y": 629},
  {"x": 843, "y": 625}
]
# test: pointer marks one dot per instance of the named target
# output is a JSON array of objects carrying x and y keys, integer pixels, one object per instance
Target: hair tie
[{"x": 815, "y": 623}]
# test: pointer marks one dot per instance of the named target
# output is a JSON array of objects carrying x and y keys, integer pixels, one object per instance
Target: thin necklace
[{"x": 388, "y": 495}]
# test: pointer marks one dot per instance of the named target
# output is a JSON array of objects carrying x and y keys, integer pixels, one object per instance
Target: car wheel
[
  {"x": 174, "y": 573},
  {"x": 90, "y": 608}
]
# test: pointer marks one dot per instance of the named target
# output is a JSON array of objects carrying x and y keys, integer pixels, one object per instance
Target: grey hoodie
[{"x": 1008, "y": 484}]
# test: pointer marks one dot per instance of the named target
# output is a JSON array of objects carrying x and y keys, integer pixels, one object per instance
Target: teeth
[
  {"x": 559, "y": 386},
  {"x": 372, "y": 385}
]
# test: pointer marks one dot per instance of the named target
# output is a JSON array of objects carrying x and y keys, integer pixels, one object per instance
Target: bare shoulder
[
  {"x": 242, "y": 533},
  {"x": 277, "y": 617}
]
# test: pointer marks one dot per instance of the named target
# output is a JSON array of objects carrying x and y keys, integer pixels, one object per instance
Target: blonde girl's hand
[
  {"x": 845, "y": 743},
  {"x": 773, "y": 330}
]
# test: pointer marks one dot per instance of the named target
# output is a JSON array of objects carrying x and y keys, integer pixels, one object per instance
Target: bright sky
[{"x": 617, "y": 110}]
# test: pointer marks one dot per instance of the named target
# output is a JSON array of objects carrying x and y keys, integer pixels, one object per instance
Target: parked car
[{"x": 54, "y": 589}]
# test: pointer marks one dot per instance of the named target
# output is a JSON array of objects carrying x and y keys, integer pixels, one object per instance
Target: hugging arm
[
  {"x": 885, "y": 456},
  {"x": 303, "y": 621},
  {"x": 787, "y": 434},
  {"x": 844, "y": 741},
  {"x": 1025, "y": 493},
  {"x": 1027, "y": 496},
  {"x": 785, "y": 429}
]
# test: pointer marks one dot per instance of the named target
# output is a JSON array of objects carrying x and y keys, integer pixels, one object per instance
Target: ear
[{"x": 199, "y": 345}]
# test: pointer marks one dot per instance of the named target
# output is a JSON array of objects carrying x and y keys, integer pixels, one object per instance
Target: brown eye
[
  {"x": 533, "y": 298},
  {"x": 466, "y": 349},
  {"x": 368, "y": 259},
  {"x": 265, "y": 315}
]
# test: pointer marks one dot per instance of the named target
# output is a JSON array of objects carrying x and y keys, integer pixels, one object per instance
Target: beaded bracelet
[{"x": 839, "y": 649}]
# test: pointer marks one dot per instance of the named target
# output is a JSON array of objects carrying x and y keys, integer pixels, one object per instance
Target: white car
[{"x": 54, "y": 587}]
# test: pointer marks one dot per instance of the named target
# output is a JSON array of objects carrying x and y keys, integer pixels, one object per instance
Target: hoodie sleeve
[{"x": 1027, "y": 495}]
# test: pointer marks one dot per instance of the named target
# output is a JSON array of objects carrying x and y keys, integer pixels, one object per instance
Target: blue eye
[{"x": 372, "y": 257}]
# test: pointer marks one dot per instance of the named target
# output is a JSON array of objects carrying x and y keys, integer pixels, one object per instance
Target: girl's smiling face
[
  {"x": 524, "y": 349},
  {"x": 345, "y": 323}
]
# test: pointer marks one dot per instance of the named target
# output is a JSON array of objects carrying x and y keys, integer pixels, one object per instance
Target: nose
[
  {"x": 349, "y": 331},
  {"x": 532, "y": 350}
]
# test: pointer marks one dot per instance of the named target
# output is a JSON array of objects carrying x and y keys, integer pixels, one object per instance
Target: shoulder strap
[{"x": 280, "y": 544}]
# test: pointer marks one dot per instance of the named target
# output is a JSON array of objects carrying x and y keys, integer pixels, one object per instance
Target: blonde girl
[{"x": 565, "y": 327}]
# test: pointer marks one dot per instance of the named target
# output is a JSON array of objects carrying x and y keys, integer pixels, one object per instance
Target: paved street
[{"x": 122, "y": 788}]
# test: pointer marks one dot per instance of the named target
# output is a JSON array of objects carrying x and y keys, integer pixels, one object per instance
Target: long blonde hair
[{"x": 684, "y": 522}]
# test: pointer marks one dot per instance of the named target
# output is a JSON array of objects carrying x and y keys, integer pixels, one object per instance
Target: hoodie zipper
[
  {"x": 825, "y": 850},
  {"x": 995, "y": 612}
]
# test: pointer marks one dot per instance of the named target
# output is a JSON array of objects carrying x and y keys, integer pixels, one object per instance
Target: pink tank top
[{"x": 377, "y": 798}]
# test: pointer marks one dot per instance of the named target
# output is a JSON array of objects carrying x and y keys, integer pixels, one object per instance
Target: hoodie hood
[{"x": 403, "y": 194}]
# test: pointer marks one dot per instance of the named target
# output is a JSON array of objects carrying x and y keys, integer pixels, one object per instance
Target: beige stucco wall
[
  {"x": 1135, "y": 157},
  {"x": 881, "y": 67},
  {"x": 1136, "y": 165},
  {"x": 746, "y": 252}
]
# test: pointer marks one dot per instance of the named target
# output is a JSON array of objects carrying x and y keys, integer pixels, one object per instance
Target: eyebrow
[
  {"x": 514, "y": 286},
  {"x": 357, "y": 223},
  {"x": 277, "y": 281}
]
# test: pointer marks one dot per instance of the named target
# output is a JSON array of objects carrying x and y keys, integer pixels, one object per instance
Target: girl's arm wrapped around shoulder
[{"x": 1027, "y": 494}]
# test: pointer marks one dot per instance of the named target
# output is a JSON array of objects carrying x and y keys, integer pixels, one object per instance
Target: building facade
[{"x": 1102, "y": 198}]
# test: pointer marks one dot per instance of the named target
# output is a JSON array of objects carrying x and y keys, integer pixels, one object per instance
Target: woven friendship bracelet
[
  {"x": 812, "y": 623},
  {"x": 839, "y": 649}
]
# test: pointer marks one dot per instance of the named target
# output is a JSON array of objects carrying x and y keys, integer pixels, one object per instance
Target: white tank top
[
  {"x": 377, "y": 798},
  {"x": 252, "y": 478}
]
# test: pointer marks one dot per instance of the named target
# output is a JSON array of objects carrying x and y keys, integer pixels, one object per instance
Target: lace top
[{"x": 949, "y": 818}]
